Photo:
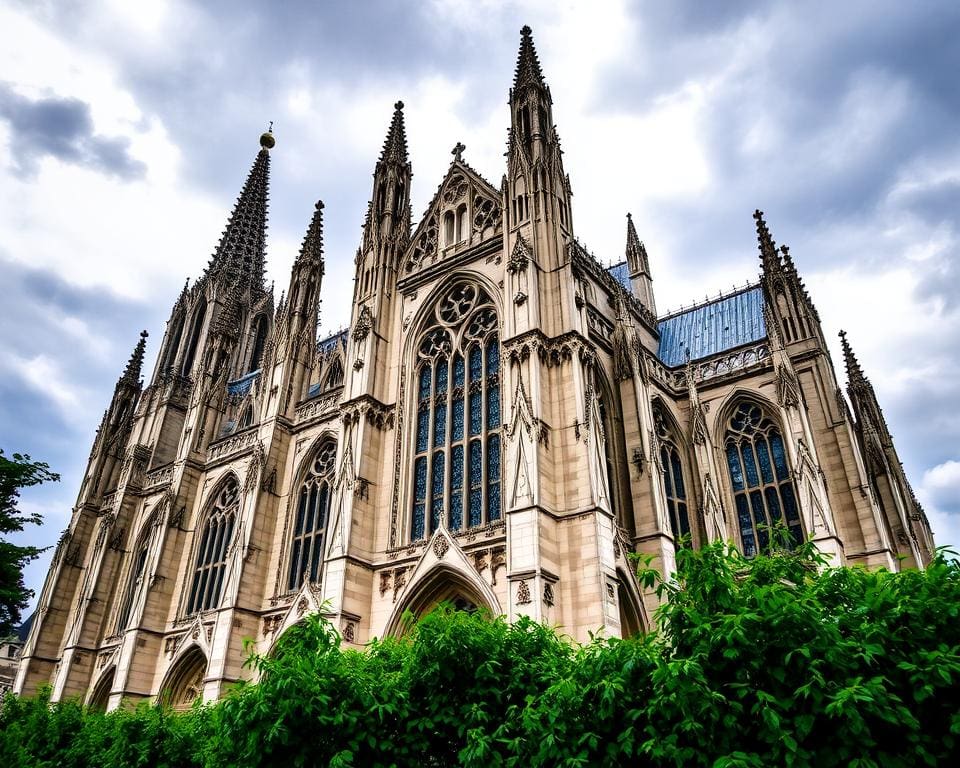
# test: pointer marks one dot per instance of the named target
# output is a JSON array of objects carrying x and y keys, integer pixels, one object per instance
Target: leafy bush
[{"x": 770, "y": 661}]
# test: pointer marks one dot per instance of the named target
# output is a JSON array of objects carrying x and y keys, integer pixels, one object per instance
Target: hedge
[{"x": 775, "y": 660}]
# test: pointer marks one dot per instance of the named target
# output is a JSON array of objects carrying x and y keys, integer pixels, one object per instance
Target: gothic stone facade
[{"x": 503, "y": 423}]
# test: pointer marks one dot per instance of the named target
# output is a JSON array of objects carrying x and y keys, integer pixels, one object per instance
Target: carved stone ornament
[
  {"x": 486, "y": 214},
  {"x": 364, "y": 324},
  {"x": 520, "y": 257},
  {"x": 385, "y": 579},
  {"x": 523, "y": 593},
  {"x": 350, "y": 632},
  {"x": 302, "y": 606},
  {"x": 623, "y": 357},
  {"x": 788, "y": 388},
  {"x": 440, "y": 547},
  {"x": 548, "y": 594}
]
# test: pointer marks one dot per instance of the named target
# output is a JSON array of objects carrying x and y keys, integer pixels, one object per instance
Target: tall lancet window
[
  {"x": 457, "y": 451},
  {"x": 675, "y": 490},
  {"x": 134, "y": 580},
  {"x": 211, "y": 560},
  {"x": 760, "y": 476},
  {"x": 310, "y": 523}
]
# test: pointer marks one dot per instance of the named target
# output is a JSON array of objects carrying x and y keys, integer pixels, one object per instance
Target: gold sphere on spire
[{"x": 266, "y": 139}]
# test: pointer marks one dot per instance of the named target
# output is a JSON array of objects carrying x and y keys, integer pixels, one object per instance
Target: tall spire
[
  {"x": 395, "y": 145},
  {"x": 240, "y": 255},
  {"x": 131, "y": 374},
  {"x": 854, "y": 371},
  {"x": 528, "y": 65},
  {"x": 388, "y": 213},
  {"x": 769, "y": 257},
  {"x": 638, "y": 265},
  {"x": 636, "y": 251},
  {"x": 312, "y": 249}
]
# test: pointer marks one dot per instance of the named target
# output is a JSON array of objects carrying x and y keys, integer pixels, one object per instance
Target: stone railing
[
  {"x": 731, "y": 362},
  {"x": 671, "y": 379},
  {"x": 232, "y": 444},
  {"x": 317, "y": 406},
  {"x": 160, "y": 476}
]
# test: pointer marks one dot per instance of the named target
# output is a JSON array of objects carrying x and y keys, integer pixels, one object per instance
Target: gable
[{"x": 464, "y": 211}]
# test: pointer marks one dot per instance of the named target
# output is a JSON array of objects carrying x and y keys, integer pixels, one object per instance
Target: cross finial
[{"x": 457, "y": 151}]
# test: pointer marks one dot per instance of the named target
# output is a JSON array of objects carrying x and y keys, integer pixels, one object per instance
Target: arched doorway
[
  {"x": 442, "y": 585},
  {"x": 100, "y": 697},
  {"x": 184, "y": 683}
]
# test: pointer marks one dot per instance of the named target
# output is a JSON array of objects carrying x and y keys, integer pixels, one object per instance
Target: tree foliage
[
  {"x": 16, "y": 472},
  {"x": 776, "y": 660}
]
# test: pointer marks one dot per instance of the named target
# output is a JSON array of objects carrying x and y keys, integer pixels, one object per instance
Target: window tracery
[
  {"x": 675, "y": 490},
  {"x": 457, "y": 448},
  {"x": 134, "y": 580},
  {"x": 310, "y": 523},
  {"x": 196, "y": 330},
  {"x": 760, "y": 475},
  {"x": 211, "y": 561}
]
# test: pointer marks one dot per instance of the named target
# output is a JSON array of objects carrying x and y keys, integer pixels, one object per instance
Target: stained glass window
[
  {"x": 672, "y": 466},
  {"x": 310, "y": 522},
  {"x": 211, "y": 560},
  {"x": 134, "y": 581},
  {"x": 760, "y": 478},
  {"x": 457, "y": 461}
]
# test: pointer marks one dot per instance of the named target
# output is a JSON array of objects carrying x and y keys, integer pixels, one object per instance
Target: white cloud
[
  {"x": 46, "y": 377},
  {"x": 939, "y": 492}
]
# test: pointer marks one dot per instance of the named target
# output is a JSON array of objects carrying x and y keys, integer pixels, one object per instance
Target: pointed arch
[
  {"x": 100, "y": 693},
  {"x": 759, "y": 471},
  {"x": 633, "y": 617},
  {"x": 449, "y": 229},
  {"x": 456, "y": 454},
  {"x": 215, "y": 535},
  {"x": 135, "y": 576},
  {"x": 729, "y": 403},
  {"x": 310, "y": 514},
  {"x": 196, "y": 330},
  {"x": 441, "y": 583},
  {"x": 614, "y": 449},
  {"x": 173, "y": 342},
  {"x": 261, "y": 328},
  {"x": 334, "y": 376},
  {"x": 183, "y": 683},
  {"x": 672, "y": 458}
]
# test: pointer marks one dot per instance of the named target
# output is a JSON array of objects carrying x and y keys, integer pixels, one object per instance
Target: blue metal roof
[
  {"x": 242, "y": 385},
  {"x": 712, "y": 328},
  {"x": 621, "y": 274}
]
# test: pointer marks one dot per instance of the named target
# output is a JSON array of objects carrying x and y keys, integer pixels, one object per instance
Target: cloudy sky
[{"x": 127, "y": 129}]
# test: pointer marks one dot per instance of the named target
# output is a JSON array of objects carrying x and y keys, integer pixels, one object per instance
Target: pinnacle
[
  {"x": 636, "y": 252},
  {"x": 528, "y": 65},
  {"x": 312, "y": 248},
  {"x": 395, "y": 145},
  {"x": 240, "y": 254},
  {"x": 131, "y": 374},
  {"x": 768, "y": 248},
  {"x": 854, "y": 371}
]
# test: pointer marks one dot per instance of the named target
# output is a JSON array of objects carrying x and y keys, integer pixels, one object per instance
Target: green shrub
[{"x": 775, "y": 660}]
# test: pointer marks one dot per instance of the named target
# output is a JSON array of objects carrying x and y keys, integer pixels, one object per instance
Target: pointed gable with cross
[{"x": 465, "y": 211}]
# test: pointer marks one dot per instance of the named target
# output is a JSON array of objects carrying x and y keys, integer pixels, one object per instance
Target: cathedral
[{"x": 504, "y": 421}]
